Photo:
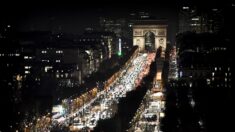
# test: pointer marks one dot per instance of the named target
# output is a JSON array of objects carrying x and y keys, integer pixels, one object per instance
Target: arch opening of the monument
[{"x": 149, "y": 41}]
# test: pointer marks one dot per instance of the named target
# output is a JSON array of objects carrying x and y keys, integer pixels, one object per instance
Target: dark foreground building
[{"x": 201, "y": 98}]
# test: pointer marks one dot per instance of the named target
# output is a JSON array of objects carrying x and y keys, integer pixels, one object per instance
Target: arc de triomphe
[{"x": 141, "y": 31}]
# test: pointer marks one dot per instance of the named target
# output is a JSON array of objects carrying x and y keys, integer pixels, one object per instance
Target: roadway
[{"x": 104, "y": 104}]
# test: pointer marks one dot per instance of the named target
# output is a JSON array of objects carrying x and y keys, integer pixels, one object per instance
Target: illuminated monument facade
[{"x": 150, "y": 37}]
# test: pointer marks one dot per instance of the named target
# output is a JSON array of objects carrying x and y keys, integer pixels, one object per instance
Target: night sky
[{"x": 74, "y": 17}]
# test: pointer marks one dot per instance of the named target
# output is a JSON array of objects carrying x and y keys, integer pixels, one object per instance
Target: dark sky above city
[{"x": 73, "y": 17}]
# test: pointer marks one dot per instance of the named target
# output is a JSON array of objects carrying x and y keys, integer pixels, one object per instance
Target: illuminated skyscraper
[{"x": 192, "y": 18}]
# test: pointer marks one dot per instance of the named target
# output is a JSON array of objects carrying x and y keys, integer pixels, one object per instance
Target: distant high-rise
[
  {"x": 192, "y": 18},
  {"x": 117, "y": 26}
]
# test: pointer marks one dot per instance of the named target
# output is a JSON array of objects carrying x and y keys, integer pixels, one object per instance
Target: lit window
[
  {"x": 185, "y": 7},
  {"x": 27, "y": 72},
  {"x": 17, "y": 54},
  {"x": 195, "y": 19},
  {"x": 37, "y": 79},
  {"x": 228, "y": 68},
  {"x": 58, "y": 61},
  {"x": 101, "y": 56},
  {"x": 213, "y": 74},
  {"x": 47, "y": 68},
  {"x": 226, "y": 74},
  {"x": 190, "y": 84},
  {"x": 208, "y": 81},
  {"x": 57, "y": 76},
  {"x": 45, "y": 61},
  {"x": 214, "y": 9},
  {"x": 44, "y": 51},
  {"x": 27, "y": 67},
  {"x": 59, "y": 51},
  {"x": 215, "y": 68},
  {"x": 225, "y": 79}
]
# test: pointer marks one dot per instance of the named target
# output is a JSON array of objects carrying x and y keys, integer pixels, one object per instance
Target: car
[{"x": 78, "y": 125}]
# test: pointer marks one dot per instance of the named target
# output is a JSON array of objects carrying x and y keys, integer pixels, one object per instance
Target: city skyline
[
  {"x": 116, "y": 65},
  {"x": 75, "y": 18}
]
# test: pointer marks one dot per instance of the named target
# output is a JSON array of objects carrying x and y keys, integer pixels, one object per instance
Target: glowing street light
[{"x": 119, "y": 47}]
